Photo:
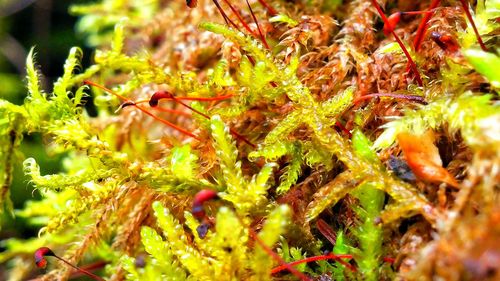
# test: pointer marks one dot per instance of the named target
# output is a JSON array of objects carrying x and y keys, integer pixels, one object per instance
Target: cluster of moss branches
[{"x": 301, "y": 115}]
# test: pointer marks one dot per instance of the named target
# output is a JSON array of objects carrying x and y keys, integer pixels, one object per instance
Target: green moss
[{"x": 273, "y": 148}]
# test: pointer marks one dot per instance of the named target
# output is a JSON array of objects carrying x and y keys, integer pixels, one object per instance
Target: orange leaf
[{"x": 423, "y": 158}]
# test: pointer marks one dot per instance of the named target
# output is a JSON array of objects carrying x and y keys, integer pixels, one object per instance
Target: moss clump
[{"x": 277, "y": 117}]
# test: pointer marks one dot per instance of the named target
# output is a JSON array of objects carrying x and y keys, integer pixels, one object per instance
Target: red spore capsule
[
  {"x": 204, "y": 195},
  {"x": 192, "y": 3},
  {"x": 391, "y": 23},
  {"x": 153, "y": 101},
  {"x": 198, "y": 212},
  {"x": 40, "y": 255},
  {"x": 445, "y": 42},
  {"x": 41, "y": 262},
  {"x": 200, "y": 198}
]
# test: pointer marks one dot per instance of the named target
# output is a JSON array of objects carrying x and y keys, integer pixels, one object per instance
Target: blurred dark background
[{"x": 46, "y": 25}]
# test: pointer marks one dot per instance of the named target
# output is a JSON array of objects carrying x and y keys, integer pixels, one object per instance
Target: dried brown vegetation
[{"x": 442, "y": 222}]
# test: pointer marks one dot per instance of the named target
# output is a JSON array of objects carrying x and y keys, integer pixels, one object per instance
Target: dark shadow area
[{"x": 47, "y": 26}]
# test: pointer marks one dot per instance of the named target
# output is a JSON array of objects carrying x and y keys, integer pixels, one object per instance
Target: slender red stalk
[
  {"x": 410, "y": 60},
  {"x": 173, "y": 111},
  {"x": 224, "y": 15},
  {"x": 277, "y": 258},
  {"x": 237, "y": 14},
  {"x": 95, "y": 265},
  {"x": 416, "y": 98},
  {"x": 240, "y": 18},
  {"x": 83, "y": 271},
  {"x": 218, "y": 98},
  {"x": 327, "y": 231},
  {"x": 405, "y": 51},
  {"x": 346, "y": 264},
  {"x": 389, "y": 259},
  {"x": 229, "y": 21},
  {"x": 394, "y": 19},
  {"x": 273, "y": 255},
  {"x": 415, "y": 12},
  {"x": 315, "y": 258},
  {"x": 343, "y": 129},
  {"x": 325, "y": 257},
  {"x": 262, "y": 37},
  {"x": 159, "y": 95},
  {"x": 153, "y": 101},
  {"x": 465, "y": 6},
  {"x": 269, "y": 9},
  {"x": 147, "y": 112},
  {"x": 236, "y": 134},
  {"x": 89, "y": 267},
  {"x": 41, "y": 262},
  {"x": 422, "y": 28}
]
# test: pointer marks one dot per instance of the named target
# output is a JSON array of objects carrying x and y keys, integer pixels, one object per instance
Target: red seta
[{"x": 41, "y": 262}]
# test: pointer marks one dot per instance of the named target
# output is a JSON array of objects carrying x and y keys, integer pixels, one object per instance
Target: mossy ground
[{"x": 308, "y": 122}]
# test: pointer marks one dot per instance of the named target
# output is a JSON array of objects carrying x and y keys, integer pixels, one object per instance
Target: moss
[{"x": 285, "y": 135}]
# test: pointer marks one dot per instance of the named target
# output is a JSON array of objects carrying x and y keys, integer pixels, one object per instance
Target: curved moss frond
[
  {"x": 60, "y": 181},
  {"x": 274, "y": 227},
  {"x": 229, "y": 243},
  {"x": 243, "y": 194},
  {"x": 330, "y": 194},
  {"x": 33, "y": 77},
  {"x": 284, "y": 75},
  {"x": 190, "y": 258},
  {"x": 371, "y": 202},
  {"x": 12, "y": 126},
  {"x": 228, "y": 155},
  {"x": 315, "y": 156},
  {"x": 162, "y": 260},
  {"x": 264, "y": 132},
  {"x": 273, "y": 151},
  {"x": 72, "y": 212},
  {"x": 64, "y": 82},
  {"x": 224, "y": 250},
  {"x": 291, "y": 172},
  {"x": 220, "y": 76},
  {"x": 468, "y": 114}
]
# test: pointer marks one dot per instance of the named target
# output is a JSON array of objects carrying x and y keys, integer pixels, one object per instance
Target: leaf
[
  {"x": 269, "y": 235},
  {"x": 469, "y": 114},
  {"x": 485, "y": 63},
  {"x": 183, "y": 162},
  {"x": 284, "y": 128},
  {"x": 64, "y": 82},
  {"x": 362, "y": 147},
  {"x": 230, "y": 243},
  {"x": 291, "y": 172},
  {"x": 281, "y": 18},
  {"x": 423, "y": 158},
  {"x": 273, "y": 151},
  {"x": 187, "y": 255},
  {"x": 32, "y": 76},
  {"x": 329, "y": 194}
]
